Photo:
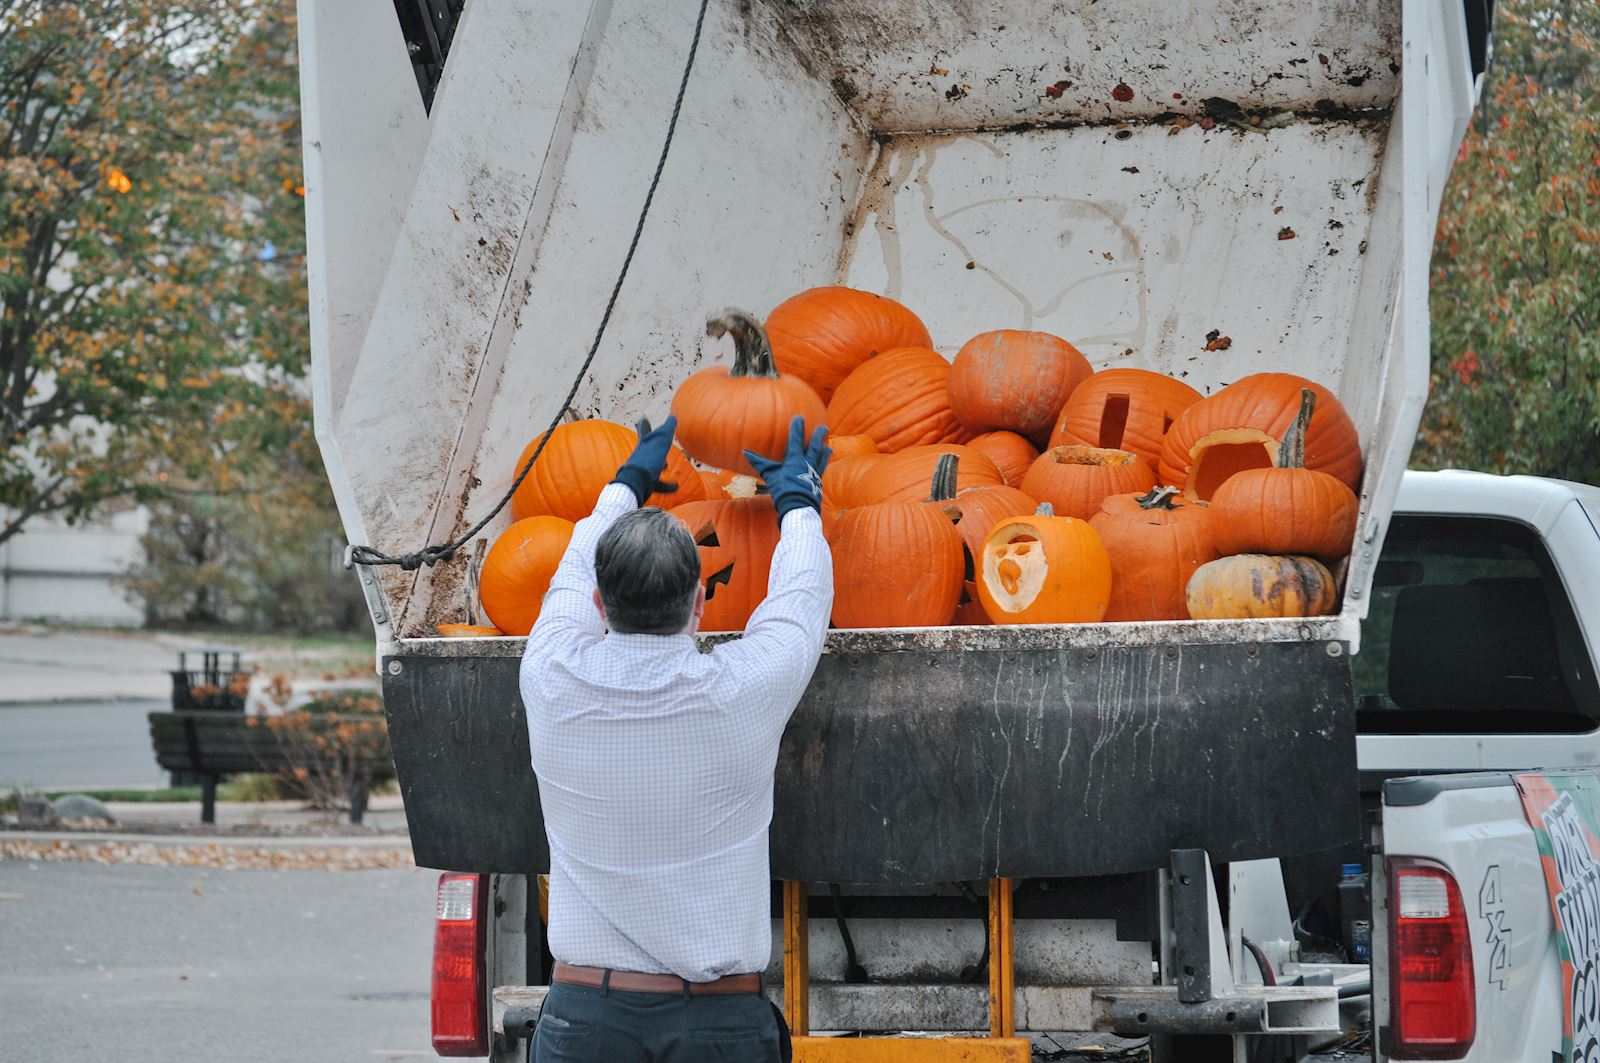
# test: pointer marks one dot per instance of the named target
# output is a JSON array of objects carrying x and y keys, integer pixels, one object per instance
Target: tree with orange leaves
[
  {"x": 1516, "y": 276},
  {"x": 152, "y": 293}
]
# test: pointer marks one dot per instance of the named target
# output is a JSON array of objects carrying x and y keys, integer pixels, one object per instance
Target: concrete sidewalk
[{"x": 385, "y": 812}]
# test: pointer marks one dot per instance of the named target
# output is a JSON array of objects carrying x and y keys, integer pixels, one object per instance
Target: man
[{"x": 655, "y": 766}]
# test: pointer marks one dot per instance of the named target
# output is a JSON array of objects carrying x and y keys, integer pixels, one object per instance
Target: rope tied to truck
[{"x": 432, "y": 555}]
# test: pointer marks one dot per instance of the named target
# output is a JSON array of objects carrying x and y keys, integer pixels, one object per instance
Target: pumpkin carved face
[
  {"x": 899, "y": 400},
  {"x": 517, "y": 571},
  {"x": 1247, "y": 586},
  {"x": 723, "y": 412},
  {"x": 1044, "y": 569},
  {"x": 736, "y": 537},
  {"x": 1287, "y": 509},
  {"x": 1075, "y": 480},
  {"x": 822, "y": 334},
  {"x": 1124, "y": 409},
  {"x": 1240, "y": 428}
]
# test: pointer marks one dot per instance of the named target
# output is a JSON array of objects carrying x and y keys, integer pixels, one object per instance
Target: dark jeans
[{"x": 581, "y": 1024}]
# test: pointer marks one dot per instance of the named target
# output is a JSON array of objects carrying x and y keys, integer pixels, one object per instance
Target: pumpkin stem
[
  {"x": 1158, "y": 498},
  {"x": 944, "y": 478},
  {"x": 1292, "y": 453},
  {"x": 752, "y": 351},
  {"x": 1045, "y": 510}
]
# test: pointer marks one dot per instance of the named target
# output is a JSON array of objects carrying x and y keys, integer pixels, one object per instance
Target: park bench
[{"x": 214, "y": 744}]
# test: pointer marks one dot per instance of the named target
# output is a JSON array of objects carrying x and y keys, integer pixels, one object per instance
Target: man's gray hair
[{"x": 647, "y": 567}]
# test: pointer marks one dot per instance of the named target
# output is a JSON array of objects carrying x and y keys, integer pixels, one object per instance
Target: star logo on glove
[{"x": 812, "y": 480}]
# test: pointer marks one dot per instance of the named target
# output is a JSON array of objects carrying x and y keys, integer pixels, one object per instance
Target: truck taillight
[
  {"x": 1433, "y": 1006},
  {"x": 460, "y": 1019}
]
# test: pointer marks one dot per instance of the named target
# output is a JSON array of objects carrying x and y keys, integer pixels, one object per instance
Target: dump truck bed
[{"x": 1146, "y": 179}]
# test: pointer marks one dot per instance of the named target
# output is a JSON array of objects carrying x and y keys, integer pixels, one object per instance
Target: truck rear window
[{"x": 1471, "y": 631}]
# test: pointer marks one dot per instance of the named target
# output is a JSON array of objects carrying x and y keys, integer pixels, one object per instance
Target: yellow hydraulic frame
[{"x": 1001, "y": 1046}]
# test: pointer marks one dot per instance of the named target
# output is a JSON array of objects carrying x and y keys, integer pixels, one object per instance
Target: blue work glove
[
  {"x": 641, "y": 473},
  {"x": 795, "y": 481}
]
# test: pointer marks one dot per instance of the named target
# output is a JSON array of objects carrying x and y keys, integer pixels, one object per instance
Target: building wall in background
[{"x": 53, "y": 571}]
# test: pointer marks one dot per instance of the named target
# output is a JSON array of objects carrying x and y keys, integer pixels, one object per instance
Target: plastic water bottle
[{"x": 1361, "y": 940}]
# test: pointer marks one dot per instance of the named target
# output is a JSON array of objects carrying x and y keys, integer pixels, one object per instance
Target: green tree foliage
[
  {"x": 1516, "y": 278},
  {"x": 152, "y": 297}
]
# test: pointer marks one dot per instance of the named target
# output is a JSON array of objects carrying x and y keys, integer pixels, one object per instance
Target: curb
[
  {"x": 78, "y": 699},
  {"x": 194, "y": 841}
]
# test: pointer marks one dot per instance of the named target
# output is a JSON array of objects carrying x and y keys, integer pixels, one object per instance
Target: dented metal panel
[{"x": 932, "y": 766}]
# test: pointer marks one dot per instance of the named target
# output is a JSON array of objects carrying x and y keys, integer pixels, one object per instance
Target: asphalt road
[
  {"x": 78, "y": 746},
  {"x": 168, "y": 965}
]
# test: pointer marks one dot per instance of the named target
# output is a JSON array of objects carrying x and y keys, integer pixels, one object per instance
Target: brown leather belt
[{"x": 634, "y": 982}]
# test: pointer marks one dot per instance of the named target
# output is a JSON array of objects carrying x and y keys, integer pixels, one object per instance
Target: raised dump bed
[{"x": 1143, "y": 178}]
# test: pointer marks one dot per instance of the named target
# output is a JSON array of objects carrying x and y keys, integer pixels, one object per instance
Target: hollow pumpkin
[
  {"x": 1241, "y": 426},
  {"x": 1011, "y": 453},
  {"x": 1253, "y": 586},
  {"x": 978, "y": 510},
  {"x": 1015, "y": 380},
  {"x": 1286, "y": 509},
  {"x": 580, "y": 459},
  {"x": 899, "y": 400},
  {"x": 904, "y": 477},
  {"x": 723, "y": 412},
  {"x": 896, "y": 564},
  {"x": 736, "y": 537},
  {"x": 1075, "y": 480},
  {"x": 1123, "y": 409},
  {"x": 517, "y": 571},
  {"x": 822, "y": 334},
  {"x": 1044, "y": 569},
  {"x": 1155, "y": 541}
]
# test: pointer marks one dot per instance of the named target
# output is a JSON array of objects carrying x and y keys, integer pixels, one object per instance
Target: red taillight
[
  {"x": 460, "y": 1020},
  {"x": 1433, "y": 1010}
]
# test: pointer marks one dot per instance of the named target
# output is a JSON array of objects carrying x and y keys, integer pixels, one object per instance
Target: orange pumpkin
[
  {"x": 580, "y": 459},
  {"x": 1044, "y": 569},
  {"x": 1240, "y": 427},
  {"x": 904, "y": 477},
  {"x": 1075, "y": 480},
  {"x": 1155, "y": 542},
  {"x": 896, "y": 564},
  {"x": 1011, "y": 453},
  {"x": 736, "y": 536},
  {"x": 1252, "y": 586},
  {"x": 899, "y": 400},
  {"x": 842, "y": 479},
  {"x": 1288, "y": 509},
  {"x": 1015, "y": 380},
  {"x": 1123, "y": 409},
  {"x": 822, "y": 334},
  {"x": 723, "y": 412},
  {"x": 517, "y": 571},
  {"x": 467, "y": 631},
  {"x": 979, "y": 509},
  {"x": 845, "y": 446}
]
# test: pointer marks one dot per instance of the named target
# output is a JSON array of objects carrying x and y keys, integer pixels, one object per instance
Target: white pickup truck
[{"x": 1479, "y": 657}]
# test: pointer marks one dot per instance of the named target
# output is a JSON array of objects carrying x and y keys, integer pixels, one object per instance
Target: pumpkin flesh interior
[
  {"x": 1015, "y": 567},
  {"x": 1221, "y": 454},
  {"x": 1081, "y": 455}
]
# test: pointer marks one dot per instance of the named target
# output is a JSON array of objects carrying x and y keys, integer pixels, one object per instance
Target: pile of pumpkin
[{"x": 1012, "y": 485}]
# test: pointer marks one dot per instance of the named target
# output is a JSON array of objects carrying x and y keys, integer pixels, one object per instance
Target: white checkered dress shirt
[{"x": 655, "y": 763}]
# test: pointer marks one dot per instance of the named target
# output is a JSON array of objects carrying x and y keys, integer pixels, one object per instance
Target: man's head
[{"x": 648, "y": 573}]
